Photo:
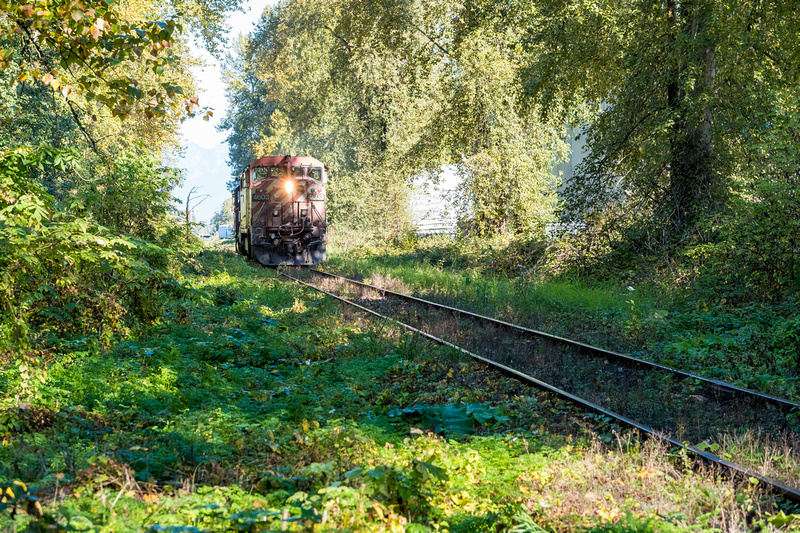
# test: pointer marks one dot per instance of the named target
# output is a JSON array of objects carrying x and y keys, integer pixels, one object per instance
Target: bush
[
  {"x": 62, "y": 272},
  {"x": 135, "y": 197},
  {"x": 756, "y": 253}
]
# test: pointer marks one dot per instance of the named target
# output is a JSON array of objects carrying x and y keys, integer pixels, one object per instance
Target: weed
[{"x": 248, "y": 411}]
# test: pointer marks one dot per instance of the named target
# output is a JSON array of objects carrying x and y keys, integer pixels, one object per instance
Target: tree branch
[
  {"x": 77, "y": 119},
  {"x": 339, "y": 37},
  {"x": 69, "y": 102},
  {"x": 434, "y": 43}
]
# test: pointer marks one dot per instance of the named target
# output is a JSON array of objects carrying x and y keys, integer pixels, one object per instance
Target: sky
[{"x": 205, "y": 160}]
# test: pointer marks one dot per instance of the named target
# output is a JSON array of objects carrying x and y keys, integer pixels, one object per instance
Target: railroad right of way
[{"x": 707, "y": 417}]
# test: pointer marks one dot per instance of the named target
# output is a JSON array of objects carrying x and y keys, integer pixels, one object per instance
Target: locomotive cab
[{"x": 281, "y": 211}]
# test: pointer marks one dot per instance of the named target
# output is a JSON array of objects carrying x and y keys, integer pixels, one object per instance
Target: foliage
[
  {"x": 383, "y": 93},
  {"x": 753, "y": 254},
  {"x": 31, "y": 115},
  {"x": 63, "y": 273},
  {"x": 248, "y": 404},
  {"x": 73, "y": 179},
  {"x": 135, "y": 197},
  {"x": 451, "y": 417},
  {"x": 224, "y": 215},
  {"x": 86, "y": 43},
  {"x": 679, "y": 94},
  {"x": 404, "y": 491},
  {"x": 16, "y": 497}
]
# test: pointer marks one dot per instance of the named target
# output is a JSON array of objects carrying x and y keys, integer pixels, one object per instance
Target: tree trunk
[{"x": 692, "y": 180}]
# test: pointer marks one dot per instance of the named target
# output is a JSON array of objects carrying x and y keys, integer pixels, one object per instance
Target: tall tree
[
  {"x": 677, "y": 89},
  {"x": 389, "y": 90}
]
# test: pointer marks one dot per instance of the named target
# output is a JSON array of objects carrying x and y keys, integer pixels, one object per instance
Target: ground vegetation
[
  {"x": 751, "y": 345},
  {"x": 256, "y": 405}
]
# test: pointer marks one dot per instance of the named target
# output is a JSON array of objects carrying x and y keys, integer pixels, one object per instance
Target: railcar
[{"x": 279, "y": 211}]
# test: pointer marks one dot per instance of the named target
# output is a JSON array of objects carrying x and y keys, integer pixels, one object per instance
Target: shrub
[{"x": 63, "y": 272}]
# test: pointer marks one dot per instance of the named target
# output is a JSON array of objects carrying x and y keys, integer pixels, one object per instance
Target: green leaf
[
  {"x": 781, "y": 519},
  {"x": 431, "y": 470}
]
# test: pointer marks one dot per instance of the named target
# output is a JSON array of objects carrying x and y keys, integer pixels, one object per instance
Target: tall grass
[
  {"x": 752, "y": 346},
  {"x": 528, "y": 298}
]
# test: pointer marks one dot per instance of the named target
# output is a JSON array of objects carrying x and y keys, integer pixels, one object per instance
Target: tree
[
  {"x": 224, "y": 216},
  {"x": 677, "y": 92},
  {"x": 94, "y": 92},
  {"x": 386, "y": 91}
]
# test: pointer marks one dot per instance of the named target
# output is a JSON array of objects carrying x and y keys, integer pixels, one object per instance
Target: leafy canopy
[
  {"x": 80, "y": 46},
  {"x": 386, "y": 92}
]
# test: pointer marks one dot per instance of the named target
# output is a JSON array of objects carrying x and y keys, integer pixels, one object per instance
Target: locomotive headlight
[{"x": 289, "y": 186}]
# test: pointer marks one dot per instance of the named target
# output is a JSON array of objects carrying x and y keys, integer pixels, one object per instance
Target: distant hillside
[{"x": 207, "y": 169}]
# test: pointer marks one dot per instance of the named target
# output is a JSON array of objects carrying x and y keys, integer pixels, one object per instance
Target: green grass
[
  {"x": 254, "y": 405},
  {"x": 750, "y": 345}
]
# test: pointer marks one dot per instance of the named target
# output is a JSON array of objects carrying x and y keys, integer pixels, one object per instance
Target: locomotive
[{"x": 279, "y": 211}]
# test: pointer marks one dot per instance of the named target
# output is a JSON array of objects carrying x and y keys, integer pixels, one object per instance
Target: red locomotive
[{"x": 279, "y": 211}]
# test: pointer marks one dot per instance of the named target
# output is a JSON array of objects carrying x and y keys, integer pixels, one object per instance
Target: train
[{"x": 279, "y": 211}]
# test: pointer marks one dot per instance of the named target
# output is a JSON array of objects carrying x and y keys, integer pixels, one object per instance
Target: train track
[{"x": 718, "y": 387}]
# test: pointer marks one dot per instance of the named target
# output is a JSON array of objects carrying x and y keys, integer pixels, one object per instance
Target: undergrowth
[
  {"x": 749, "y": 344},
  {"x": 252, "y": 404}
]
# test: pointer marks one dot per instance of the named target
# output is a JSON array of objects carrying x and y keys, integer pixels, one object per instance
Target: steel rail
[
  {"x": 627, "y": 360},
  {"x": 789, "y": 493}
]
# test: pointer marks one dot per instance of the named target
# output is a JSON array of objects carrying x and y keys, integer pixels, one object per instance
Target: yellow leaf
[
  {"x": 609, "y": 515},
  {"x": 645, "y": 472}
]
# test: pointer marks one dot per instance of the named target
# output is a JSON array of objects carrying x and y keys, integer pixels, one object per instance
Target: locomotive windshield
[
  {"x": 259, "y": 173},
  {"x": 315, "y": 173}
]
